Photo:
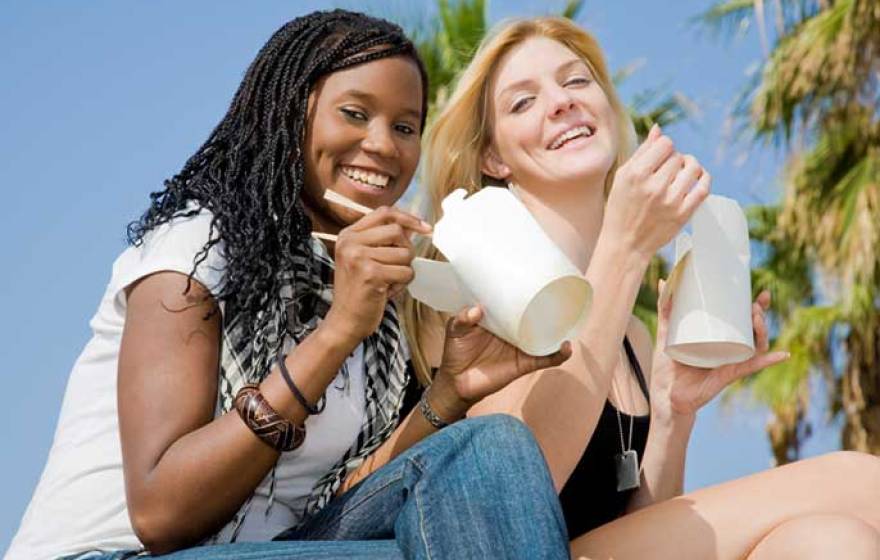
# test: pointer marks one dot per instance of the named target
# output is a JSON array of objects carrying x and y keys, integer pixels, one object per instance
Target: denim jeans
[{"x": 479, "y": 488}]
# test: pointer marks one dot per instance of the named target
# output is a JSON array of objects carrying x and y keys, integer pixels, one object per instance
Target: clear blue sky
[{"x": 101, "y": 101}]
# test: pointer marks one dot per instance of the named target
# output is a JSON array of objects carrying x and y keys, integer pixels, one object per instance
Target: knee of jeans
[{"x": 502, "y": 431}]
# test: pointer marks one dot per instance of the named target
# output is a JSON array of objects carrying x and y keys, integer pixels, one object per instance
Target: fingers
[
  {"x": 653, "y": 134},
  {"x": 763, "y": 300},
  {"x": 527, "y": 363},
  {"x": 755, "y": 364},
  {"x": 697, "y": 195},
  {"x": 395, "y": 274},
  {"x": 464, "y": 321},
  {"x": 391, "y": 255},
  {"x": 759, "y": 322},
  {"x": 670, "y": 168},
  {"x": 664, "y": 309},
  {"x": 389, "y": 215},
  {"x": 762, "y": 343},
  {"x": 660, "y": 150},
  {"x": 383, "y": 235},
  {"x": 689, "y": 174}
]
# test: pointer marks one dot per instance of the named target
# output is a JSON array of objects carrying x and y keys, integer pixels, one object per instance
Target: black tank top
[{"x": 590, "y": 497}]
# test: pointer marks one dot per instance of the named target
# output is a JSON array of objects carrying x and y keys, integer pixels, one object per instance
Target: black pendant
[{"x": 627, "y": 466}]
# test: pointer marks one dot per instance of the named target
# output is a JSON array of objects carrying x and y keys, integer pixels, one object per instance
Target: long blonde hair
[{"x": 461, "y": 133}]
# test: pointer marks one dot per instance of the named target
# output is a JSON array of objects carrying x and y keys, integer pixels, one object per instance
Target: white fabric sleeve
[{"x": 173, "y": 246}]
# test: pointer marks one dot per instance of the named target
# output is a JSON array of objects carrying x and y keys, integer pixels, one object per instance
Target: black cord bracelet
[{"x": 301, "y": 399}]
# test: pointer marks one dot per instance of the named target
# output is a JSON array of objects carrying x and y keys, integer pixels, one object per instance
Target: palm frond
[
  {"x": 728, "y": 17},
  {"x": 572, "y": 9}
]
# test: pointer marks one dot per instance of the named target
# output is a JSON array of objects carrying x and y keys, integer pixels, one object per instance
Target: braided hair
[{"x": 250, "y": 171}]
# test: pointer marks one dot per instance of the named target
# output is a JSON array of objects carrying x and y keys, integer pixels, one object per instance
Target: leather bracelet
[
  {"x": 300, "y": 398},
  {"x": 274, "y": 430},
  {"x": 428, "y": 412}
]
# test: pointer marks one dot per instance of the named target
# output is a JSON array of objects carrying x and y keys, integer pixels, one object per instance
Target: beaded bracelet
[
  {"x": 276, "y": 431},
  {"x": 428, "y": 412}
]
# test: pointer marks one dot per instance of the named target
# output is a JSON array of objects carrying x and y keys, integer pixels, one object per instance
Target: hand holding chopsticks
[{"x": 336, "y": 198}]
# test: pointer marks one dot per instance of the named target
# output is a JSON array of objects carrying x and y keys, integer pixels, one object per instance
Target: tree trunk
[
  {"x": 784, "y": 431},
  {"x": 861, "y": 396}
]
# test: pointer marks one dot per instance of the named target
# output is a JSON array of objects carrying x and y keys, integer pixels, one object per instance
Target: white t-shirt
[{"x": 79, "y": 503}]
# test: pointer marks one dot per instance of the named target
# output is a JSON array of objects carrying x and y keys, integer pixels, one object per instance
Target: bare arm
[
  {"x": 653, "y": 196},
  {"x": 677, "y": 393},
  {"x": 663, "y": 460},
  {"x": 187, "y": 473},
  {"x": 584, "y": 380}
]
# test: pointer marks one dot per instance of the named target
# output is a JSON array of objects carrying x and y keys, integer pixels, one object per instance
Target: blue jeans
[{"x": 479, "y": 488}]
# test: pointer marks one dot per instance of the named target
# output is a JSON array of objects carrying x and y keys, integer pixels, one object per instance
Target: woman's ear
[{"x": 493, "y": 166}]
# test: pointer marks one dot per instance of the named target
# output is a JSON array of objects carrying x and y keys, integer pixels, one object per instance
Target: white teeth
[
  {"x": 373, "y": 179},
  {"x": 571, "y": 134}
]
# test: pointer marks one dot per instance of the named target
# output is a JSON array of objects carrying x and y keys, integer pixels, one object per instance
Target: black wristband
[{"x": 301, "y": 399}]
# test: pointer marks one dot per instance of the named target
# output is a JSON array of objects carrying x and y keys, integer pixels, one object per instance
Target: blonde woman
[{"x": 536, "y": 111}]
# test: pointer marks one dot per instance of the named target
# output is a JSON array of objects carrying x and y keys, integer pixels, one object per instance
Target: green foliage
[{"x": 817, "y": 96}]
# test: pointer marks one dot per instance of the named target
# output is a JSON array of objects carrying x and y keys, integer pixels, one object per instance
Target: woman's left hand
[{"x": 680, "y": 390}]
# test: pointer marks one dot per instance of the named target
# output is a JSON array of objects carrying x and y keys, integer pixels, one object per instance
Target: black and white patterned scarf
[{"x": 297, "y": 314}]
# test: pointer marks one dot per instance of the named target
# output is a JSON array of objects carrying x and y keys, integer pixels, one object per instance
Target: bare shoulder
[{"x": 642, "y": 342}]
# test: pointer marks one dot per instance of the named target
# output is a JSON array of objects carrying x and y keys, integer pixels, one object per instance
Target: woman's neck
[{"x": 571, "y": 217}]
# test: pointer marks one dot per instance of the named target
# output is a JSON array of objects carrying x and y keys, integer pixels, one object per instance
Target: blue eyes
[{"x": 360, "y": 116}]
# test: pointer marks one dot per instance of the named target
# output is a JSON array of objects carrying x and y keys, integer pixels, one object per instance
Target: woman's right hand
[
  {"x": 654, "y": 194},
  {"x": 373, "y": 261},
  {"x": 476, "y": 363}
]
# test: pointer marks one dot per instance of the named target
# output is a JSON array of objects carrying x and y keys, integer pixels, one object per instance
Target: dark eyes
[
  {"x": 354, "y": 114},
  {"x": 361, "y": 116},
  {"x": 405, "y": 129}
]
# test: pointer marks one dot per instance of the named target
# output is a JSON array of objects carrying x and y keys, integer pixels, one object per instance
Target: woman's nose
[
  {"x": 560, "y": 101},
  {"x": 379, "y": 141}
]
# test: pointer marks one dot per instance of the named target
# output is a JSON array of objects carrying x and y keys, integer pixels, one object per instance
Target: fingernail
[{"x": 426, "y": 225}]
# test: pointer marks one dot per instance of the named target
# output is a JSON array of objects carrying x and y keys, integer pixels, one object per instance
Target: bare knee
[
  {"x": 856, "y": 463},
  {"x": 820, "y": 536},
  {"x": 860, "y": 471}
]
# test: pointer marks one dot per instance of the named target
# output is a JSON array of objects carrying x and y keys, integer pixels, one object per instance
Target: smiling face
[
  {"x": 362, "y": 138},
  {"x": 552, "y": 123}
]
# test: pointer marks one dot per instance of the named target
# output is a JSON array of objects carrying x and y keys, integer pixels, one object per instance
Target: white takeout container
[
  {"x": 498, "y": 256},
  {"x": 711, "y": 320}
]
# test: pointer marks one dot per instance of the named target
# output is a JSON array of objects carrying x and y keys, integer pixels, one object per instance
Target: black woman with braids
[{"x": 247, "y": 370}]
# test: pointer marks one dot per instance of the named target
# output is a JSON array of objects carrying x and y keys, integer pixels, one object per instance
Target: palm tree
[
  {"x": 448, "y": 42},
  {"x": 817, "y": 98}
]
